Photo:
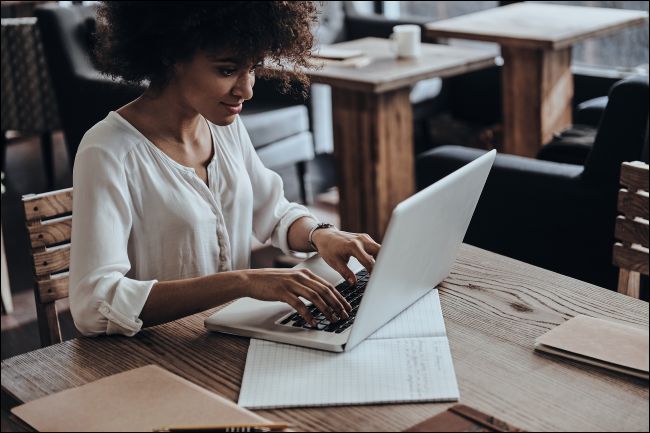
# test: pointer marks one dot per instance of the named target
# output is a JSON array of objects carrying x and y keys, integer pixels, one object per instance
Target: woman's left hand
[{"x": 336, "y": 247}]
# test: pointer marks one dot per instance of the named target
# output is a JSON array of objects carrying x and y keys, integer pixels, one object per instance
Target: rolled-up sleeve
[
  {"x": 273, "y": 214},
  {"x": 102, "y": 299}
]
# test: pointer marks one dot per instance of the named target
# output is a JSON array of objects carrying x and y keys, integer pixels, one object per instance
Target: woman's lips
[{"x": 232, "y": 109}]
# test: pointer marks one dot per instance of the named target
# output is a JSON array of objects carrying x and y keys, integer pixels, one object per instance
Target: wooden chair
[
  {"x": 49, "y": 222},
  {"x": 631, "y": 254}
]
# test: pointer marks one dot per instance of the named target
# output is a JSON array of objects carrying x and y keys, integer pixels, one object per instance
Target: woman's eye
[{"x": 226, "y": 72}]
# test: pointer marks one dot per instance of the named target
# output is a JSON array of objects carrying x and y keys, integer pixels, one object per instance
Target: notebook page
[
  {"x": 422, "y": 319},
  {"x": 376, "y": 371}
]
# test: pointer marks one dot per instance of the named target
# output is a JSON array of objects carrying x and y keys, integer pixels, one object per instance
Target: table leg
[
  {"x": 537, "y": 94},
  {"x": 373, "y": 141},
  {"x": 7, "y": 303}
]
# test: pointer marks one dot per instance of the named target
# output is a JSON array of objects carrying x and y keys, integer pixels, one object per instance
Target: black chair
[
  {"x": 572, "y": 146},
  {"x": 278, "y": 126},
  {"x": 554, "y": 215}
]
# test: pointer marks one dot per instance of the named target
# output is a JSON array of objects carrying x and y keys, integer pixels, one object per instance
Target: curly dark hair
[{"x": 142, "y": 40}]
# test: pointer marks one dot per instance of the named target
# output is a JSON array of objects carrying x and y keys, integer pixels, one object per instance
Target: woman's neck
[{"x": 165, "y": 115}]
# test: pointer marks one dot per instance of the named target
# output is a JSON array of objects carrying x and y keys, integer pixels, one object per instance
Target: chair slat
[
  {"x": 49, "y": 223},
  {"x": 630, "y": 258},
  {"x": 633, "y": 204},
  {"x": 52, "y": 260},
  {"x": 53, "y": 289},
  {"x": 628, "y": 283},
  {"x": 631, "y": 231},
  {"x": 47, "y": 205},
  {"x": 634, "y": 175},
  {"x": 50, "y": 232},
  {"x": 48, "y": 324}
]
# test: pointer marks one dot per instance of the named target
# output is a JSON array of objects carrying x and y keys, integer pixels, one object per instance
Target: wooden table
[
  {"x": 373, "y": 124},
  {"x": 494, "y": 308},
  {"x": 536, "y": 41}
]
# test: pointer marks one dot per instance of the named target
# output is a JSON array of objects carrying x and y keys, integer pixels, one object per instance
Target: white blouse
[{"x": 140, "y": 217}]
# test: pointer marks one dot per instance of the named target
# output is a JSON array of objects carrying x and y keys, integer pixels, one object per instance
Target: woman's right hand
[{"x": 287, "y": 285}]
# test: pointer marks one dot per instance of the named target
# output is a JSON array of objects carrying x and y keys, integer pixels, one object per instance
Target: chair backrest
[
  {"x": 622, "y": 132},
  {"x": 84, "y": 96},
  {"x": 28, "y": 103},
  {"x": 631, "y": 253},
  {"x": 48, "y": 218}
]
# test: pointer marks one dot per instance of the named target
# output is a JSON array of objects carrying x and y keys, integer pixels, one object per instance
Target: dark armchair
[
  {"x": 554, "y": 215},
  {"x": 278, "y": 126},
  {"x": 84, "y": 96}
]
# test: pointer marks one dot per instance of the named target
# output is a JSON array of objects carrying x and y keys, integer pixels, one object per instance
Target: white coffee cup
[{"x": 406, "y": 40}]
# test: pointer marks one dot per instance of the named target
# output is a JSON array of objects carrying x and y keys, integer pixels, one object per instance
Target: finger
[
  {"x": 370, "y": 245},
  {"x": 297, "y": 304},
  {"x": 328, "y": 296},
  {"x": 364, "y": 258},
  {"x": 342, "y": 268},
  {"x": 315, "y": 298},
  {"x": 332, "y": 289},
  {"x": 342, "y": 300}
]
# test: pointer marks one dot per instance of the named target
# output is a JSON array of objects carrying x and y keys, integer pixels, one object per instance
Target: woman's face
[{"x": 215, "y": 85}]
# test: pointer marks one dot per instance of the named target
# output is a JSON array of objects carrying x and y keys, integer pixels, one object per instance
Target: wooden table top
[
  {"x": 384, "y": 71},
  {"x": 533, "y": 25},
  {"x": 494, "y": 308}
]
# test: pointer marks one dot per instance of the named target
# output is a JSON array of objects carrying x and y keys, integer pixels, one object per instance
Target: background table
[
  {"x": 373, "y": 124},
  {"x": 494, "y": 308},
  {"x": 536, "y": 41}
]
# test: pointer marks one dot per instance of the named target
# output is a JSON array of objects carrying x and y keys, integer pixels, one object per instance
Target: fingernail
[{"x": 351, "y": 280}]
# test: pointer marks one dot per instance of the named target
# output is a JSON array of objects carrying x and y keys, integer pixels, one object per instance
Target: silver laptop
[{"x": 420, "y": 246}]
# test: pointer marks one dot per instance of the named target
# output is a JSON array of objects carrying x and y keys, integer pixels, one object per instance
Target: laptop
[{"x": 418, "y": 250}]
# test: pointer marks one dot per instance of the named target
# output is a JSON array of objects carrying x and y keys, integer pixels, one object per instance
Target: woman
[{"x": 168, "y": 190}]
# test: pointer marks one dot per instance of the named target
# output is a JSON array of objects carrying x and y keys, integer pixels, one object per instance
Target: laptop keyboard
[{"x": 351, "y": 293}]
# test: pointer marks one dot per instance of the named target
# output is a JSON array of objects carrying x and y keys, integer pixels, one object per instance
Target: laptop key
[{"x": 352, "y": 293}]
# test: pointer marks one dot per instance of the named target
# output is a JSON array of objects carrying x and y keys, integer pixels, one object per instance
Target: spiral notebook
[{"x": 408, "y": 360}]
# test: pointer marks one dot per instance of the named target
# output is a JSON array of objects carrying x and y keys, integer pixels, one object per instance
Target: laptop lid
[{"x": 420, "y": 245}]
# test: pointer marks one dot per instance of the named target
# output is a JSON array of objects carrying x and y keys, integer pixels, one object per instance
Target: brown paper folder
[
  {"x": 604, "y": 343},
  {"x": 463, "y": 418},
  {"x": 137, "y": 400}
]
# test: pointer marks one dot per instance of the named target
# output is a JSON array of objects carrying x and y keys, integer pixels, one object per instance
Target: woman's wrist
[
  {"x": 233, "y": 284},
  {"x": 319, "y": 234},
  {"x": 242, "y": 280}
]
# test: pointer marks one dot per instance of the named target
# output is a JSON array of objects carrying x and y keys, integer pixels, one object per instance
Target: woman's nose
[{"x": 244, "y": 87}]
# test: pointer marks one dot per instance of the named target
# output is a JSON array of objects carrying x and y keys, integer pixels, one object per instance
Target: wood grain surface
[
  {"x": 382, "y": 71},
  {"x": 494, "y": 308},
  {"x": 536, "y": 26},
  {"x": 47, "y": 205},
  {"x": 373, "y": 135}
]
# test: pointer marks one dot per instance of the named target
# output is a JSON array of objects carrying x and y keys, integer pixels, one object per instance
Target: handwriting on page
[{"x": 376, "y": 371}]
